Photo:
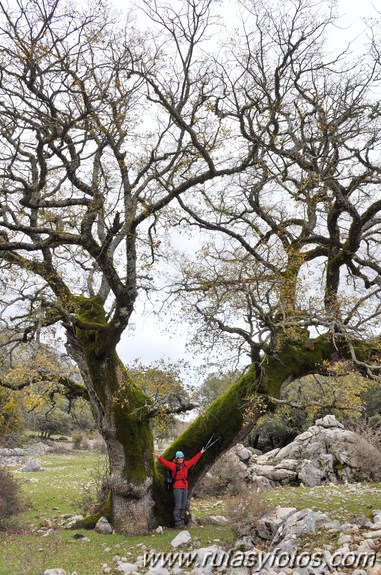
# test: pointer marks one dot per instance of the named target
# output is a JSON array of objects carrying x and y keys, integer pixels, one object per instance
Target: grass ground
[{"x": 39, "y": 543}]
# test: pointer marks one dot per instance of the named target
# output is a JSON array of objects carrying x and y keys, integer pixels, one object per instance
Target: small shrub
[
  {"x": 243, "y": 511},
  {"x": 77, "y": 439},
  {"x": 10, "y": 500}
]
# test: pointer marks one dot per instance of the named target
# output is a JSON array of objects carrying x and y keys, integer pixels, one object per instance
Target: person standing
[{"x": 179, "y": 469}]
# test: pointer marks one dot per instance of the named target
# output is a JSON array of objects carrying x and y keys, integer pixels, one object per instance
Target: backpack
[{"x": 169, "y": 478}]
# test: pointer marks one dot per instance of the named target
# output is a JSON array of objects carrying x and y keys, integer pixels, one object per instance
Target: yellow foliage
[
  {"x": 10, "y": 412},
  {"x": 340, "y": 392}
]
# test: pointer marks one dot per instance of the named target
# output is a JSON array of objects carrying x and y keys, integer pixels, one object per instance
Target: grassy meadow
[{"x": 38, "y": 542}]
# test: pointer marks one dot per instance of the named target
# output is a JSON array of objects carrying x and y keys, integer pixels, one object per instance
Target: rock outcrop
[{"x": 325, "y": 453}]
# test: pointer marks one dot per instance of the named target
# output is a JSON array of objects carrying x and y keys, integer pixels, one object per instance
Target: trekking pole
[{"x": 211, "y": 442}]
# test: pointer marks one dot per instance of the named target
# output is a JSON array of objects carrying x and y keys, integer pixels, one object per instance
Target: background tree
[
  {"x": 11, "y": 421},
  {"x": 163, "y": 382},
  {"x": 214, "y": 386}
]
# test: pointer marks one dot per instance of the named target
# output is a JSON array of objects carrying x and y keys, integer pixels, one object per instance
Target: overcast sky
[{"x": 149, "y": 340}]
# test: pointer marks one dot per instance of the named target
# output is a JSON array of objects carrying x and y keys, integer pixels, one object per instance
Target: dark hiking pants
[{"x": 181, "y": 498}]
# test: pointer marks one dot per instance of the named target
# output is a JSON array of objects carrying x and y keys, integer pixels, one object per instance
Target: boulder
[
  {"x": 298, "y": 524},
  {"x": 325, "y": 453},
  {"x": 242, "y": 452},
  {"x": 267, "y": 526}
]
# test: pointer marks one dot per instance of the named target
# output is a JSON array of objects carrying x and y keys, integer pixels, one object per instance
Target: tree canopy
[{"x": 293, "y": 243}]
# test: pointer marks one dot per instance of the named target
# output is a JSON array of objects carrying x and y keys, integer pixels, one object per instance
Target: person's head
[{"x": 179, "y": 455}]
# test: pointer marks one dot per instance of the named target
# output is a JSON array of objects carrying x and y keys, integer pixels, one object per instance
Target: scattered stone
[
  {"x": 127, "y": 568},
  {"x": 103, "y": 526},
  {"x": 372, "y": 534},
  {"x": 31, "y": 466},
  {"x": 181, "y": 538},
  {"x": 218, "y": 520},
  {"x": 267, "y": 526},
  {"x": 12, "y": 452},
  {"x": 55, "y": 571},
  {"x": 158, "y": 571},
  {"x": 159, "y": 530},
  {"x": 39, "y": 448},
  {"x": 68, "y": 522}
]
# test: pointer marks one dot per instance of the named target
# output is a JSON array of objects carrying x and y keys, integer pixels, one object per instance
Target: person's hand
[
  {"x": 155, "y": 454},
  {"x": 203, "y": 449}
]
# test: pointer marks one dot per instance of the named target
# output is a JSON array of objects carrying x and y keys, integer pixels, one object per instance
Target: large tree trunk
[{"x": 120, "y": 410}]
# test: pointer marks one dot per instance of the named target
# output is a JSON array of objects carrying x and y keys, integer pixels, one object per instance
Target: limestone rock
[
  {"x": 127, "y": 568},
  {"x": 31, "y": 466},
  {"x": 181, "y": 538},
  {"x": 325, "y": 453},
  {"x": 329, "y": 421},
  {"x": 68, "y": 522},
  {"x": 158, "y": 571},
  {"x": 218, "y": 520},
  {"x": 267, "y": 526},
  {"x": 103, "y": 526},
  {"x": 243, "y": 452}
]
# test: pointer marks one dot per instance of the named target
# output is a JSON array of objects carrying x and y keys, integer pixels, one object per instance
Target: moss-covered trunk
[{"x": 121, "y": 415}]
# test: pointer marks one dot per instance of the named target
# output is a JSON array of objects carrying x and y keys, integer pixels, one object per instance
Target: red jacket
[{"x": 181, "y": 477}]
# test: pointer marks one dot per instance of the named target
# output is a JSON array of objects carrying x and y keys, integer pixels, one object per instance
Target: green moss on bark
[
  {"x": 134, "y": 429},
  {"x": 120, "y": 398},
  {"x": 294, "y": 359}
]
